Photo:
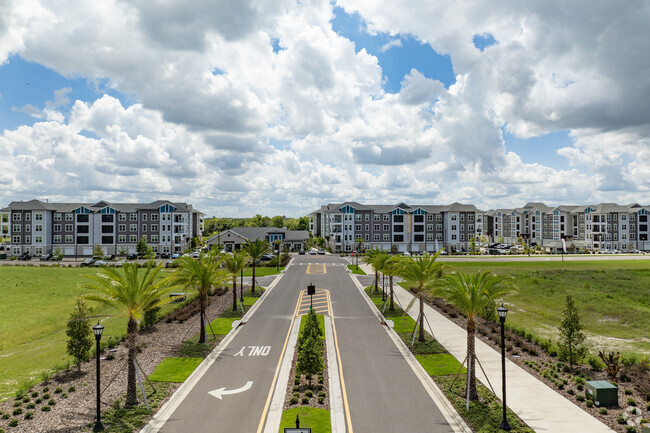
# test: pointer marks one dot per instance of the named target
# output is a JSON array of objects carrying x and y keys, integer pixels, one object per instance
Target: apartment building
[
  {"x": 400, "y": 227},
  {"x": 37, "y": 227}
]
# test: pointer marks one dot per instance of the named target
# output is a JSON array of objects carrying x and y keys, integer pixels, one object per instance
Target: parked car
[
  {"x": 313, "y": 252},
  {"x": 132, "y": 256},
  {"x": 175, "y": 256},
  {"x": 195, "y": 255},
  {"x": 321, "y": 251},
  {"x": 100, "y": 263},
  {"x": 164, "y": 255},
  {"x": 109, "y": 257},
  {"x": 266, "y": 258},
  {"x": 301, "y": 252},
  {"x": 88, "y": 262},
  {"x": 46, "y": 257},
  {"x": 24, "y": 257}
]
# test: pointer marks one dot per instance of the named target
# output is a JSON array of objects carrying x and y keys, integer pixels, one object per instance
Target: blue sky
[{"x": 259, "y": 109}]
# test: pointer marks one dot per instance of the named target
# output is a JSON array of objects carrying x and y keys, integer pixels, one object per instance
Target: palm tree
[
  {"x": 376, "y": 258},
  {"x": 233, "y": 263},
  {"x": 255, "y": 250},
  {"x": 132, "y": 293},
  {"x": 202, "y": 275},
  {"x": 391, "y": 268},
  {"x": 419, "y": 274},
  {"x": 471, "y": 294}
]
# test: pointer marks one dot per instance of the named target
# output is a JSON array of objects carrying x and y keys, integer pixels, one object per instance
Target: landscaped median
[
  {"x": 356, "y": 270},
  {"x": 485, "y": 414}
]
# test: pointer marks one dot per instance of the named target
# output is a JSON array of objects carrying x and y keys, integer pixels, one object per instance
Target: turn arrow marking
[{"x": 222, "y": 391}]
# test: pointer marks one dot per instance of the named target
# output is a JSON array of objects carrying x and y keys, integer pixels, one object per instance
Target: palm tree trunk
[
  {"x": 202, "y": 302},
  {"x": 471, "y": 331},
  {"x": 234, "y": 293},
  {"x": 253, "y": 286},
  {"x": 392, "y": 305},
  {"x": 131, "y": 394},
  {"x": 376, "y": 282},
  {"x": 421, "y": 333}
]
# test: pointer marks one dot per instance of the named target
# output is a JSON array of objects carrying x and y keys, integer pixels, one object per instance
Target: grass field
[
  {"x": 262, "y": 271},
  {"x": 354, "y": 270},
  {"x": 316, "y": 419},
  {"x": 613, "y": 298},
  {"x": 174, "y": 369},
  {"x": 36, "y": 303}
]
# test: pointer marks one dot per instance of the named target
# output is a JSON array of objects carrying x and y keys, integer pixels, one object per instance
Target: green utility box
[{"x": 602, "y": 393}]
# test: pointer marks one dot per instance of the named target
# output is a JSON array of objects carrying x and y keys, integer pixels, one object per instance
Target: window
[
  {"x": 107, "y": 218},
  {"x": 357, "y": 217},
  {"x": 386, "y": 237},
  {"x": 453, "y": 237},
  {"x": 418, "y": 238},
  {"x": 357, "y": 227},
  {"x": 68, "y": 227},
  {"x": 398, "y": 218},
  {"x": 83, "y": 218},
  {"x": 57, "y": 239},
  {"x": 107, "y": 239},
  {"x": 438, "y": 217},
  {"x": 367, "y": 217},
  {"x": 133, "y": 217},
  {"x": 28, "y": 228},
  {"x": 470, "y": 217},
  {"x": 632, "y": 236},
  {"x": 28, "y": 216},
  {"x": 429, "y": 227},
  {"x": 154, "y": 217},
  {"x": 609, "y": 217},
  {"x": 16, "y": 251},
  {"x": 429, "y": 236},
  {"x": 418, "y": 218},
  {"x": 398, "y": 228},
  {"x": 438, "y": 236},
  {"x": 57, "y": 227},
  {"x": 462, "y": 237},
  {"x": 386, "y": 217},
  {"x": 15, "y": 228},
  {"x": 133, "y": 238},
  {"x": 57, "y": 217},
  {"x": 15, "y": 239},
  {"x": 121, "y": 227},
  {"x": 418, "y": 228},
  {"x": 38, "y": 250},
  {"x": 177, "y": 239},
  {"x": 133, "y": 227},
  {"x": 376, "y": 217},
  {"x": 154, "y": 227},
  {"x": 632, "y": 227},
  {"x": 367, "y": 227},
  {"x": 144, "y": 227},
  {"x": 121, "y": 238},
  {"x": 462, "y": 217},
  {"x": 462, "y": 227},
  {"x": 28, "y": 239},
  {"x": 623, "y": 237},
  {"x": 69, "y": 217},
  {"x": 470, "y": 227},
  {"x": 16, "y": 217},
  {"x": 398, "y": 238},
  {"x": 454, "y": 217},
  {"x": 82, "y": 240},
  {"x": 154, "y": 238},
  {"x": 38, "y": 228},
  {"x": 429, "y": 217},
  {"x": 366, "y": 237},
  {"x": 375, "y": 237},
  {"x": 82, "y": 229},
  {"x": 454, "y": 227},
  {"x": 144, "y": 217},
  {"x": 69, "y": 239},
  {"x": 386, "y": 227},
  {"x": 107, "y": 229},
  {"x": 624, "y": 217}
]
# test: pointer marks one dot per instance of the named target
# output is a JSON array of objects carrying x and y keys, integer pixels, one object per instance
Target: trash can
[{"x": 602, "y": 393}]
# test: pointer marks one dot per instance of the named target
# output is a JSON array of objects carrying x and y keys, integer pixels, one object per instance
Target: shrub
[
  {"x": 612, "y": 363},
  {"x": 5, "y": 416},
  {"x": 296, "y": 381},
  {"x": 58, "y": 390},
  {"x": 589, "y": 403},
  {"x": 45, "y": 408},
  {"x": 560, "y": 385},
  {"x": 628, "y": 391},
  {"x": 51, "y": 402},
  {"x": 38, "y": 401},
  {"x": 72, "y": 389},
  {"x": 631, "y": 401},
  {"x": 595, "y": 363},
  {"x": 64, "y": 395},
  {"x": 13, "y": 423},
  {"x": 35, "y": 394},
  {"x": 29, "y": 415},
  {"x": 293, "y": 400},
  {"x": 580, "y": 397},
  {"x": 31, "y": 406},
  {"x": 305, "y": 400},
  {"x": 320, "y": 379},
  {"x": 580, "y": 387},
  {"x": 46, "y": 389},
  {"x": 18, "y": 403},
  {"x": 46, "y": 396},
  {"x": 25, "y": 399},
  {"x": 647, "y": 406},
  {"x": 630, "y": 429},
  {"x": 602, "y": 411},
  {"x": 309, "y": 393},
  {"x": 18, "y": 411},
  {"x": 570, "y": 391},
  {"x": 620, "y": 418},
  {"x": 321, "y": 400},
  {"x": 295, "y": 388}
]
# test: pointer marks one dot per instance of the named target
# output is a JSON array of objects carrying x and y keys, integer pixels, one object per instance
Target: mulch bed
[
  {"x": 533, "y": 358},
  {"x": 316, "y": 387},
  {"x": 76, "y": 410}
]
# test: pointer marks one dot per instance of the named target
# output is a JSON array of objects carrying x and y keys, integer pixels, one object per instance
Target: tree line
[{"x": 218, "y": 224}]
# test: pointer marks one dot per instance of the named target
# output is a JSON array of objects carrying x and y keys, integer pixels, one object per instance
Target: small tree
[
  {"x": 141, "y": 247},
  {"x": 572, "y": 339},
  {"x": 150, "y": 255},
  {"x": 122, "y": 252},
  {"x": 612, "y": 362},
  {"x": 80, "y": 335},
  {"x": 472, "y": 244},
  {"x": 98, "y": 251},
  {"x": 58, "y": 253}
]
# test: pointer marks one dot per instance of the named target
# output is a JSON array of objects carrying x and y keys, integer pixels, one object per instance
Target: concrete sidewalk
[{"x": 539, "y": 406}]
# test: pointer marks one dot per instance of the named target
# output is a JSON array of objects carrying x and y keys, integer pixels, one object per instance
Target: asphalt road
[{"x": 383, "y": 393}]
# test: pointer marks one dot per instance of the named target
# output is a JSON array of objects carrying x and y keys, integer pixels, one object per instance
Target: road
[{"x": 382, "y": 392}]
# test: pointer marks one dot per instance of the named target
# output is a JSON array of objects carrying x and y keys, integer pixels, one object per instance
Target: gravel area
[{"x": 74, "y": 412}]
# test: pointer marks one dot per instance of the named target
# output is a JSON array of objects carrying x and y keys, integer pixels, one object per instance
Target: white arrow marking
[{"x": 222, "y": 391}]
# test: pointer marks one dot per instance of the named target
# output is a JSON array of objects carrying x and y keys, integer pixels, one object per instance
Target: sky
[{"x": 278, "y": 106}]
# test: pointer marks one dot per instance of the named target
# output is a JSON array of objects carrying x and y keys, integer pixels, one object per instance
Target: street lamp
[
  {"x": 98, "y": 329},
  {"x": 503, "y": 312}
]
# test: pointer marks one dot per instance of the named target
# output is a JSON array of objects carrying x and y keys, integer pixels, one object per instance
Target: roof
[
  {"x": 96, "y": 206},
  {"x": 254, "y": 233}
]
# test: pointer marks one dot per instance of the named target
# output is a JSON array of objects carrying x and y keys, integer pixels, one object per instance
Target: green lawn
[
  {"x": 174, "y": 369},
  {"x": 613, "y": 298},
  {"x": 36, "y": 303},
  {"x": 222, "y": 325},
  {"x": 262, "y": 271},
  {"x": 356, "y": 271},
  {"x": 316, "y": 419},
  {"x": 440, "y": 364}
]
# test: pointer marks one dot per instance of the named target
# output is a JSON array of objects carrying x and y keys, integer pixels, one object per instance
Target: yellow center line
[
  {"x": 338, "y": 357},
  {"x": 277, "y": 370}
]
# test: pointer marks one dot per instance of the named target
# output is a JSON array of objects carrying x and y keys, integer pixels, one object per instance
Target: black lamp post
[
  {"x": 503, "y": 312},
  {"x": 98, "y": 329},
  {"x": 241, "y": 286}
]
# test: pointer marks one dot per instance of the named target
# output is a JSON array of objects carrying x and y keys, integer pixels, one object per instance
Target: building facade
[
  {"x": 418, "y": 228},
  {"x": 236, "y": 237},
  {"x": 75, "y": 229}
]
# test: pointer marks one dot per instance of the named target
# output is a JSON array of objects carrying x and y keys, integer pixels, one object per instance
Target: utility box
[{"x": 602, "y": 393}]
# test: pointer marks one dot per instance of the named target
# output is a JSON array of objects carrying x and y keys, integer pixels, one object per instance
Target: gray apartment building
[
  {"x": 400, "y": 227},
  {"x": 37, "y": 227}
]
